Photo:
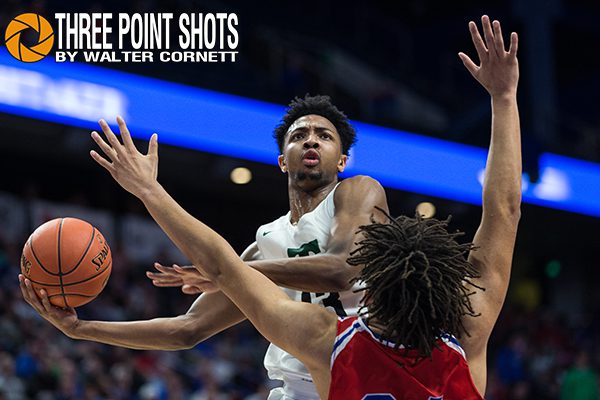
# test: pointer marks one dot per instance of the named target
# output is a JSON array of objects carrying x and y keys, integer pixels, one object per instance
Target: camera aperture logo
[
  {"x": 20, "y": 26},
  {"x": 122, "y": 37}
]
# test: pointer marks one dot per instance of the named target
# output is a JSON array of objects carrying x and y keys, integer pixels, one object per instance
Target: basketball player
[
  {"x": 417, "y": 288},
  {"x": 304, "y": 251}
]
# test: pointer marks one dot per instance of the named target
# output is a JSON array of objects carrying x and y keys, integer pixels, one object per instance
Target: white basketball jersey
[{"x": 281, "y": 239}]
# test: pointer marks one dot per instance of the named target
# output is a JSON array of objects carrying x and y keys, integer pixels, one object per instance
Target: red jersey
[{"x": 364, "y": 367}]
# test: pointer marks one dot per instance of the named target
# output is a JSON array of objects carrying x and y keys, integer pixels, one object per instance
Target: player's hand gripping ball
[{"x": 70, "y": 259}]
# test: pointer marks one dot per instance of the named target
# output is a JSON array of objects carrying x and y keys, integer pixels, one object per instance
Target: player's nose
[{"x": 311, "y": 141}]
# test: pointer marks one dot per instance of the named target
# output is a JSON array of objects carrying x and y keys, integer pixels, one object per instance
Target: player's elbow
[
  {"x": 187, "y": 334},
  {"x": 505, "y": 207},
  {"x": 343, "y": 274}
]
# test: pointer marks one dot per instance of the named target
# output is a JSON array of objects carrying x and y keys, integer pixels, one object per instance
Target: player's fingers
[
  {"x": 182, "y": 270},
  {"x": 468, "y": 63},
  {"x": 32, "y": 297},
  {"x": 162, "y": 283},
  {"x": 112, "y": 138},
  {"x": 125, "y": 134},
  {"x": 162, "y": 280},
  {"x": 45, "y": 301},
  {"x": 486, "y": 26},
  {"x": 498, "y": 39},
  {"x": 23, "y": 288},
  {"x": 102, "y": 161},
  {"x": 106, "y": 149},
  {"x": 153, "y": 145},
  {"x": 165, "y": 270},
  {"x": 482, "y": 51},
  {"x": 162, "y": 276},
  {"x": 514, "y": 44}
]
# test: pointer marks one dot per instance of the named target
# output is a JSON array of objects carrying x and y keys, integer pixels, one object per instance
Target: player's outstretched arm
[
  {"x": 356, "y": 200},
  {"x": 210, "y": 314},
  {"x": 305, "y": 330},
  {"x": 498, "y": 73}
]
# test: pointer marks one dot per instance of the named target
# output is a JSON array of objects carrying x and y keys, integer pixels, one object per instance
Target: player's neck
[{"x": 303, "y": 200}]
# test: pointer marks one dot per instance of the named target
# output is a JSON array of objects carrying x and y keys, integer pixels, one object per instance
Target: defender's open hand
[
  {"x": 134, "y": 171},
  {"x": 498, "y": 71}
]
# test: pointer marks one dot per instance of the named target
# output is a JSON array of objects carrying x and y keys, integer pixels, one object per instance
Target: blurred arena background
[{"x": 391, "y": 65}]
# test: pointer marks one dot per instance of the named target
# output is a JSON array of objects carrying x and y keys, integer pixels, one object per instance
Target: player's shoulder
[
  {"x": 360, "y": 189},
  {"x": 359, "y": 181}
]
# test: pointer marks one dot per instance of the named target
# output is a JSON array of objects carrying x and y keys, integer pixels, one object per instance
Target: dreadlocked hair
[
  {"x": 416, "y": 280},
  {"x": 318, "y": 105}
]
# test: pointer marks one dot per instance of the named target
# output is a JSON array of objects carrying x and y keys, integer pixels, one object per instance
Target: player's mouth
[{"x": 311, "y": 158}]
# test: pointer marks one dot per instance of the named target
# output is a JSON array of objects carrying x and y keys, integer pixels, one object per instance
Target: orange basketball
[{"x": 70, "y": 259}]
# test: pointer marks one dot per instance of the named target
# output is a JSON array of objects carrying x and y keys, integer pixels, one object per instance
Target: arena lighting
[
  {"x": 240, "y": 175},
  {"x": 426, "y": 209},
  {"x": 80, "y": 94}
]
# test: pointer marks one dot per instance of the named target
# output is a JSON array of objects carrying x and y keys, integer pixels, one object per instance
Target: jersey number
[{"x": 329, "y": 299}]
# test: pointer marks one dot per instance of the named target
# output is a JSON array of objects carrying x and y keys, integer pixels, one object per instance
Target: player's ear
[
  {"x": 281, "y": 162},
  {"x": 342, "y": 163}
]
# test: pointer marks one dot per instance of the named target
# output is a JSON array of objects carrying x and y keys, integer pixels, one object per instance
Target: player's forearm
[
  {"x": 502, "y": 187},
  {"x": 317, "y": 273},
  {"x": 203, "y": 246},
  {"x": 155, "y": 334}
]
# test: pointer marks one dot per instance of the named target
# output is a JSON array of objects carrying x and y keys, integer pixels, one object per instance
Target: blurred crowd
[{"x": 538, "y": 354}]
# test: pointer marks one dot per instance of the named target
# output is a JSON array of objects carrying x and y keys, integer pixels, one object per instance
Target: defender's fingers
[
  {"x": 514, "y": 44},
  {"x": 102, "y": 161},
  {"x": 482, "y": 51},
  {"x": 488, "y": 34},
  {"x": 468, "y": 63},
  {"x": 106, "y": 149},
  {"x": 153, "y": 146},
  {"x": 498, "y": 39},
  {"x": 112, "y": 138},
  {"x": 125, "y": 134}
]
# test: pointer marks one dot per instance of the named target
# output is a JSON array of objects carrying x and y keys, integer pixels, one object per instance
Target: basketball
[{"x": 70, "y": 259}]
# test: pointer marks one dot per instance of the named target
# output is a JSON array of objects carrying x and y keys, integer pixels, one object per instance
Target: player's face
[{"x": 312, "y": 150}]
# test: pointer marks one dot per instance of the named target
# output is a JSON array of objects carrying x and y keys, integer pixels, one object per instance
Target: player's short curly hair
[
  {"x": 318, "y": 105},
  {"x": 417, "y": 280}
]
